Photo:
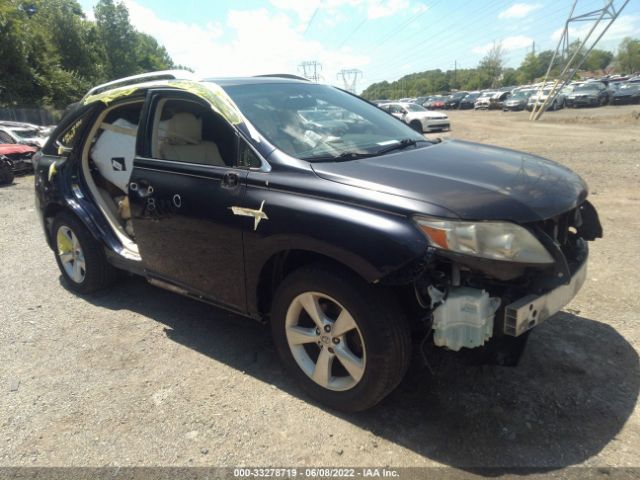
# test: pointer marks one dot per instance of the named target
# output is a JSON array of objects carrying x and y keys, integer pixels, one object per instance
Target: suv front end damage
[{"x": 469, "y": 300}]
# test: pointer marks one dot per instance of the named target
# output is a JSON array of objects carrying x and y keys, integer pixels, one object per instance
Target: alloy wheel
[
  {"x": 325, "y": 341},
  {"x": 71, "y": 254}
]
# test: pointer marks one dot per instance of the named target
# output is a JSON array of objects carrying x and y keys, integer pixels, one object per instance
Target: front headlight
[{"x": 492, "y": 240}]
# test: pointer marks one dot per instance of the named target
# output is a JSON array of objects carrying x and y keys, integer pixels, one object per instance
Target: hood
[
  {"x": 16, "y": 148},
  {"x": 477, "y": 182},
  {"x": 584, "y": 93},
  {"x": 626, "y": 93},
  {"x": 515, "y": 101}
]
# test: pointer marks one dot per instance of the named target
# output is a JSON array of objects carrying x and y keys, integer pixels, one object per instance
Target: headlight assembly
[{"x": 493, "y": 240}]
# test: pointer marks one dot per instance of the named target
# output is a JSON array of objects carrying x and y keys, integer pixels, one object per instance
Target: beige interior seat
[{"x": 180, "y": 138}]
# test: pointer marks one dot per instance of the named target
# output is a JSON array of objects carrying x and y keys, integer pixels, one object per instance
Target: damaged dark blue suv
[{"x": 304, "y": 206}]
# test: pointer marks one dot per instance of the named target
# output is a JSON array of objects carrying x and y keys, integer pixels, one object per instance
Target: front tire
[
  {"x": 416, "y": 125},
  {"x": 346, "y": 342},
  {"x": 80, "y": 257}
]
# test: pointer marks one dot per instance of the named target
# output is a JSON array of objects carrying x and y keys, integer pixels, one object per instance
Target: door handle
[{"x": 230, "y": 180}]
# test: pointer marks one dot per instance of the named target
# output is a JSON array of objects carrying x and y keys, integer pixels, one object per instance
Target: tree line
[
  {"x": 51, "y": 54},
  {"x": 492, "y": 73}
]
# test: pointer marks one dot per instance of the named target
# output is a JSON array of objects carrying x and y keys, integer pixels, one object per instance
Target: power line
[{"x": 315, "y": 12}]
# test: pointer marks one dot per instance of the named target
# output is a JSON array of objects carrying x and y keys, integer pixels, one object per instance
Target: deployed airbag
[{"x": 114, "y": 151}]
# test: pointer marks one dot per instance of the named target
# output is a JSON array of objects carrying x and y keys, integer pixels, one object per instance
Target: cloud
[
  {"x": 517, "y": 42},
  {"x": 624, "y": 26},
  {"x": 247, "y": 42},
  {"x": 519, "y": 10},
  {"x": 385, "y": 9}
]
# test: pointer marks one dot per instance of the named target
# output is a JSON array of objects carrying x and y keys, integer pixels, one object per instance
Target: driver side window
[{"x": 191, "y": 132}]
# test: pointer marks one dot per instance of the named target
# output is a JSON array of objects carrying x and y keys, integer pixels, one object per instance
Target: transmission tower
[
  {"x": 311, "y": 70},
  {"x": 350, "y": 78},
  {"x": 601, "y": 17}
]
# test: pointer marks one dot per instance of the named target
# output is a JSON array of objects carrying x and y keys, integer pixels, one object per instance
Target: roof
[{"x": 233, "y": 81}]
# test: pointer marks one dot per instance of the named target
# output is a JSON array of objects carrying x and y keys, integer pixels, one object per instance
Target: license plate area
[{"x": 531, "y": 310}]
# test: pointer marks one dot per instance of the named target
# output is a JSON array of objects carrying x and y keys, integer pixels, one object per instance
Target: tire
[
  {"x": 416, "y": 125},
  {"x": 6, "y": 172},
  {"x": 378, "y": 337},
  {"x": 85, "y": 269}
]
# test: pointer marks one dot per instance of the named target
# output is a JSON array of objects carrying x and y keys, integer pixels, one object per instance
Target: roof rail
[
  {"x": 141, "y": 78},
  {"x": 283, "y": 75}
]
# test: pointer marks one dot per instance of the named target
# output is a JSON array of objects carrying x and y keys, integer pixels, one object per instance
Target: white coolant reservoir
[{"x": 464, "y": 319}]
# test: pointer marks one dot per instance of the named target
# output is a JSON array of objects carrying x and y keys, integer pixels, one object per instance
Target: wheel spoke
[
  {"x": 343, "y": 324},
  {"x": 310, "y": 304},
  {"x": 298, "y": 335},
  {"x": 66, "y": 257},
  {"x": 353, "y": 364},
  {"x": 77, "y": 274},
  {"x": 322, "y": 372}
]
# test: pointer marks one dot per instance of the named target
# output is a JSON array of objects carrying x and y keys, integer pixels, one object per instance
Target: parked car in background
[
  {"x": 453, "y": 100},
  {"x": 23, "y": 133},
  {"x": 435, "y": 102},
  {"x": 469, "y": 100},
  {"x": 627, "y": 93},
  {"x": 491, "y": 100},
  {"x": 418, "y": 117},
  {"x": 589, "y": 94},
  {"x": 538, "y": 98},
  {"x": 15, "y": 159},
  {"x": 517, "y": 101},
  {"x": 354, "y": 249}
]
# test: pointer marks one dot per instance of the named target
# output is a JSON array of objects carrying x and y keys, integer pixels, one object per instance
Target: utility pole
[
  {"x": 603, "y": 17},
  {"x": 455, "y": 73},
  {"x": 350, "y": 78},
  {"x": 311, "y": 70}
]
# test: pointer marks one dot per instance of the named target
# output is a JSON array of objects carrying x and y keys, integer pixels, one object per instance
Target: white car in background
[
  {"x": 418, "y": 117},
  {"x": 23, "y": 133}
]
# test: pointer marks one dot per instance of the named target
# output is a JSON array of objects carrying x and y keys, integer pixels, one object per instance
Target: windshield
[
  {"x": 630, "y": 86},
  {"x": 587, "y": 86},
  {"x": 26, "y": 133},
  {"x": 311, "y": 121},
  {"x": 522, "y": 95},
  {"x": 412, "y": 107}
]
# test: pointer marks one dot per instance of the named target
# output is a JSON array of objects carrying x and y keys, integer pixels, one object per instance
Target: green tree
[
  {"x": 628, "y": 57},
  {"x": 491, "y": 65}
]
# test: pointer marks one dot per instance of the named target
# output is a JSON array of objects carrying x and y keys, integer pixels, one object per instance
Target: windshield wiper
[
  {"x": 346, "y": 156},
  {"x": 401, "y": 145},
  {"x": 343, "y": 157}
]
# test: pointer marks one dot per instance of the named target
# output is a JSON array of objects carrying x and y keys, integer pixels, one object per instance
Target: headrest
[{"x": 183, "y": 129}]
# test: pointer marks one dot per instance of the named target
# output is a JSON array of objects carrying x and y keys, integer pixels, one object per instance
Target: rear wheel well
[
  {"x": 282, "y": 264},
  {"x": 51, "y": 211}
]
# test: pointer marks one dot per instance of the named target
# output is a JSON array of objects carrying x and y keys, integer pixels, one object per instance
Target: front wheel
[
  {"x": 346, "y": 342},
  {"x": 416, "y": 125}
]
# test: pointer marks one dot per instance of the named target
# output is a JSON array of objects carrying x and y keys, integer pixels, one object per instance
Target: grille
[{"x": 558, "y": 227}]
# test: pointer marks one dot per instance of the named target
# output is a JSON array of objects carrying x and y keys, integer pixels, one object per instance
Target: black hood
[{"x": 475, "y": 181}]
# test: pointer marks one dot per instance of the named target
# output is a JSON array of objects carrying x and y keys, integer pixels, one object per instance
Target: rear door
[{"x": 184, "y": 184}]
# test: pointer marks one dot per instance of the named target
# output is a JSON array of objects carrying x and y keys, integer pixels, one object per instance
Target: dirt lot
[{"x": 139, "y": 376}]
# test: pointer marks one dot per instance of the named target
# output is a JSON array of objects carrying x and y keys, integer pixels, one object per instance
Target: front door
[{"x": 182, "y": 191}]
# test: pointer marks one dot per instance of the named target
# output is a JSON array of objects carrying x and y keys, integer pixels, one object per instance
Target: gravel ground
[{"x": 139, "y": 376}]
